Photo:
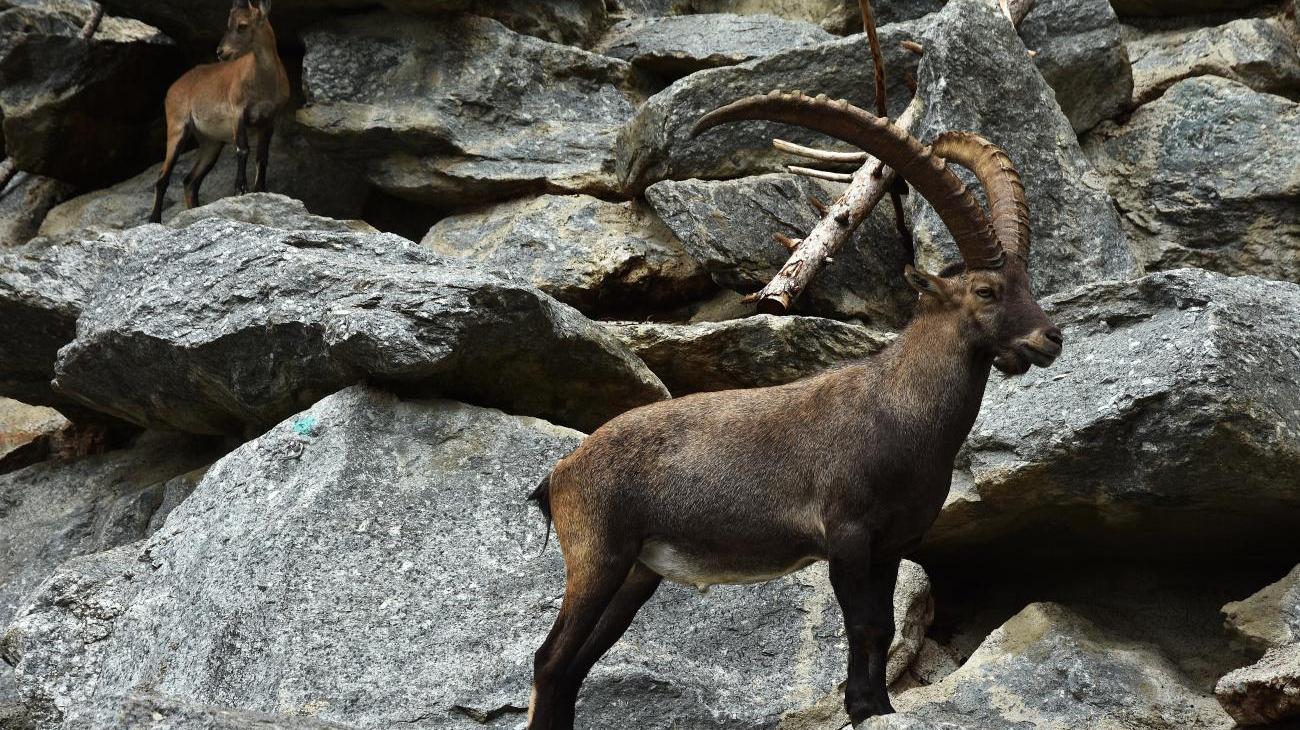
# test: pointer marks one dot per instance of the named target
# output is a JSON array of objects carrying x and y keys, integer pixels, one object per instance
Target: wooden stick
[
  {"x": 92, "y": 25},
  {"x": 790, "y": 243},
  {"x": 870, "y": 184},
  {"x": 842, "y": 177},
  {"x": 913, "y": 46},
  {"x": 813, "y": 153}
]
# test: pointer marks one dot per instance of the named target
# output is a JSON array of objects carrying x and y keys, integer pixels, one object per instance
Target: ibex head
[
  {"x": 989, "y": 292},
  {"x": 248, "y": 22}
]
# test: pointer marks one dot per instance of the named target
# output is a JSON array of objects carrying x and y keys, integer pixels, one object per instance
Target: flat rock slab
[
  {"x": 1051, "y": 669},
  {"x": 975, "y": 77},
  {"x": 594, "y": 255},
  {"x": 373, "y": 562},
  {"x": 463, "y": 109},
  {"x": 231, "y": 326},
  {"x": 680, "y": 45},
  {"x": 1269, "y": 618},
  {"x": 1206, "y": 176},
  {"x": 727, "y": 225},
  {"x": 1173, "y": 411},
  {"x": 1257, "y": 52},
  {"x": 1082, "y": 57},
  {"x": 746, "y": 353},
  {"x": 268, "y": 209},
  {"x": 24, "y": 204}
]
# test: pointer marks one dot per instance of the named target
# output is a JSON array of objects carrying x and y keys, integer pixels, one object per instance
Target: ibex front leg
[
  {"x": 864, "y": 587},
  {"x": 241, "y": 154}
]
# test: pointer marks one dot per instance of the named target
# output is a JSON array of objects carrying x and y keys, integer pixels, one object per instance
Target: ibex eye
[{"x": 984, "y": 292}]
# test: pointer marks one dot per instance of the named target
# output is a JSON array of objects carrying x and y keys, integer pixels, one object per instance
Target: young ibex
[
  {"x": 850, "y": 466},
  {"x": 223, "y": 102}
]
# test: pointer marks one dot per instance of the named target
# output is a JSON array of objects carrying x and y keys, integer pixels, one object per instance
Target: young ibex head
[
  {"x": 248, "y": 19},
  {"x": 989, "y": 291}
]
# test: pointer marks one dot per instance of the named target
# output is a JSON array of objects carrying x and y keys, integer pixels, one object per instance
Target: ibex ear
[
  {"x": 265, "y": 7},
  {"x": 925, "y": 283}
]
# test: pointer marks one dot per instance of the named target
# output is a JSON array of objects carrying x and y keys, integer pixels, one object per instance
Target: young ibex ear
[
  {"x": 263, "y": 6},
  {"x": 925, "y": 283}
]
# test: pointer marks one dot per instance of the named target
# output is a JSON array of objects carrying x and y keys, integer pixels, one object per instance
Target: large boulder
[
  {"x": 727, "y": 225},
  {"x": 77, "y": 109},
  {"x": 231, "y": 326},
  {"x": 594, "y": 255},
  {"x": 1258, "y": 52},
  {"x": 267, "y": 209},
  {"x": 327, "y": 186},
  {"x": 1269, "y": 690},
  {"x": 24, "y": 204},
  {"x": 57, "y": 510},
  {"x": 463, "y": 109},
  {"x": 677, "y": 46},
  {"x": 26, "y": 433},
  {"x": 1082, "y": 57},
  {"x": 373, "y": 562},
  {"x": 1206, "y": 177},
  {"x": 976, "y": 77},
  {"x": 1172, "y": 412},
  {"x": 656, "y": 145},
  {"x": 153, "y": 712},
  {"x": 1051, "y": 669},
  {"x": 1270, "y": 618},
  {"x": 746, "y": 353}
]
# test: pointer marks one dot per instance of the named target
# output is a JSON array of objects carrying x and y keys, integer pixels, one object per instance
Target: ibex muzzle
[{"x": 850, "y": 466}]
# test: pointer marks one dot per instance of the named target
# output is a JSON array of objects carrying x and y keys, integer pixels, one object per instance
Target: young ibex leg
[
  {"x": 177, "y": 135},
  {"x": 865, "y": 591},
  {"x": 637, "y": 588},
  {"x": 594, "y": 578},
  {"x": 203, "y": 163},
  {"x": 241, "y": 155},
  {"x": 263, "y": 152}
]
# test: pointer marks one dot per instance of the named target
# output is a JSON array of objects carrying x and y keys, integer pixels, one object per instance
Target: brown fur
[{"x": 227, "y": 102}]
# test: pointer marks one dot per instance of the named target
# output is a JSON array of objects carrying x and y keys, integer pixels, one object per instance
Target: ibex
[
  {"x": 850, "y": 466},
  {"x": 224, "y": 102}
]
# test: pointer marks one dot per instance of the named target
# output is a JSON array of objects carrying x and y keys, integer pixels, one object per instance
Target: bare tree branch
[
  {"x": 843, "y": 177},
  {"x": 92, "y": 25},
  {"x": 813, "y": 153}
]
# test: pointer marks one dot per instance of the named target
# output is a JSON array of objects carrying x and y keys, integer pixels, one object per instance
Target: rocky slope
[{"x": 265, "y": 465}]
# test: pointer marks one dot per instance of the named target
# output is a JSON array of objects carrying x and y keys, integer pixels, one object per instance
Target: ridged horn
[
  {"x": 911, "y": 160},
  {"x": 1008, "y": 206}
]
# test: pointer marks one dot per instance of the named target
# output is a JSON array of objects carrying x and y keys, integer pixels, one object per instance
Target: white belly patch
[{"x": 681, "y": 567}]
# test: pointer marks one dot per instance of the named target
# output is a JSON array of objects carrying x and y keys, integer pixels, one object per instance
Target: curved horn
[
  {"x": 1008, "y": 207},
  {"x": 913, "y": 161}
]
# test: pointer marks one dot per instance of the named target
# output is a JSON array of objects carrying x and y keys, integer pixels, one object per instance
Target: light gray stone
[
  {"x": 231, "y": 326},
  {"x": 1206, "y": 176},
  {"x": 154, "y": 712},
  {"x": 1082, "y": 57},
  {"x": 463, "y": 109},
  {"x": 26, "y": 433},
  {"x": 727, "y": 225},
  {"x": 24, "y": 204},
  {"x": 1271, "y": 617},
  {"x": 975, "y": 77},
  {"x": 373, "y": 562},
  {"x": 746, "y": 353},
  {"x": 267, "y": 209},
  {"x": 1257, "y": 52},
  {"x": 1174, "y": 411},
  {"x": 676, "y": 46},
  {"x": 594, "y": 255}
]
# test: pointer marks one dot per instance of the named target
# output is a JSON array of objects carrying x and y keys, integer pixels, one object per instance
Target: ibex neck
[{"x": 265, "y": 52}]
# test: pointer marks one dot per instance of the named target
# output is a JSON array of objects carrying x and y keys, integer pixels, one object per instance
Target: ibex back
[
  {"x": 850, "y": 466},
  {"x": 227, "y": 102}
]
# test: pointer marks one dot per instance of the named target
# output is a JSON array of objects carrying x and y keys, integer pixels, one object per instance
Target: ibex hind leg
[
  {"x": 594, "y": 578},
  {"x": 640, "y": 584},
  {"x": 207, "y": 157},
  {"x": 178, "y": 134}
]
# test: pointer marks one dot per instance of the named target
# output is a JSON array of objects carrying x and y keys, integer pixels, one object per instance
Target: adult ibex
[
  {"x": 850, "y": 466},
  {"x": 224, "y": 102}
]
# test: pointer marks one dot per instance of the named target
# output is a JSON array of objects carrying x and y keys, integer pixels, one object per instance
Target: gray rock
[
  {"x": 13, "y": 716},
  {"x": 267, "y": 209},
  {"x": 1205, "y": 176},
  {"x": 74, "y": 109},
  {"x": 54, "y": 511},
  {"x": 1082, "y": 57},
  {"x": 746, "y": 353},
  {"x": 26, "y": 432},
  {"x": 463, "y": 109},
  {"x": 1174, "y": 411},
  {"x": 44, "y": 285},
  {"x": 1257, "y": 52},
  {"x": 676, "y": 46},
  {"x": 24, "y": 203},
  {"x": 1051, "y": 669},
  {"x": 373, "y": 562},
  {"x": 976, "y": 77},
  {"x": 1267, "y": 691},
  {"x": 572, "y": 22},
  {"x": 1271, "y": 617},
  {"x": 655, "y": 145},
  {"x": 1165, "y": 8},
  {"x": 728, "y": 226},
  {"x": 230, "y": 326},
  {"x": 837, "y": 16},
  {"x": 594, "y": 255},
  {"x": 327, "y": 186},
  {"x": 153, "y": 712}
]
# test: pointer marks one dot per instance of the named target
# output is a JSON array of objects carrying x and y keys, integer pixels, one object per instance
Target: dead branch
[
  {"x": 913, "y": 46},
  {"x": 870, "y": 184},
  {"x": 841, "y": 177},
  {"x": 790, "y": 243},
  {"x": 92, "y": 25},
  {"x": 820, "y": 155}
]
